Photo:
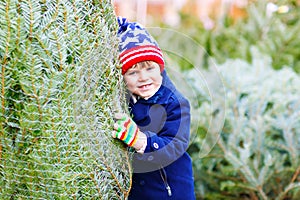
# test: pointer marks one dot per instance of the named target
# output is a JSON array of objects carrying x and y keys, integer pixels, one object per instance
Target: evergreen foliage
[
  {"x": 256, "y": 155},
  {"x": 59, "y": 86}
]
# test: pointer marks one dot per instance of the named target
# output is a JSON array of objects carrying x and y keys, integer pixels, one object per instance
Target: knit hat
[{"x": 137, "y": 45}]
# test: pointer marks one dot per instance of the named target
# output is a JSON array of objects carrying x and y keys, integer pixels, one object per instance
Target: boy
[{"x": 160, "y": 123}]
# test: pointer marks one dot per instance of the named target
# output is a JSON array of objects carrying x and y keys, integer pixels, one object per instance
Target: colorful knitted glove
[{"x": 126, "y": 130}]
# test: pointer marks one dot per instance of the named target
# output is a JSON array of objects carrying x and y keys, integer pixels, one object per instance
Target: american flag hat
[{"x": 137, "y": 45}]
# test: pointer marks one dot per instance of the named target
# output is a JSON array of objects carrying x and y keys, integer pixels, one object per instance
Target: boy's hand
[{"x": 125, "y": 129}]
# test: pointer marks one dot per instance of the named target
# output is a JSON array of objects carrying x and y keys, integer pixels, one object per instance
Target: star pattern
[{"x": 135, "y": 36}]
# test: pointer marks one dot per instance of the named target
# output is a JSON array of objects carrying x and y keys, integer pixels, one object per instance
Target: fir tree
[
  {"x": 256, "y": 153},
  {"x": 59, "y": 81}
]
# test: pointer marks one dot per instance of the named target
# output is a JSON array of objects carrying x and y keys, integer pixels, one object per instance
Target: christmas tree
[{"x": 59, "y": 85}]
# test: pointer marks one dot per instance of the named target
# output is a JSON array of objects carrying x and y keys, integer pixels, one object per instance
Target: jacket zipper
[{"x": 163, "y": 175}]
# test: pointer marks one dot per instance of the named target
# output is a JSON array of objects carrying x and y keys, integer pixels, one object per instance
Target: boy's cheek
[{"x": 131, "y": 88}]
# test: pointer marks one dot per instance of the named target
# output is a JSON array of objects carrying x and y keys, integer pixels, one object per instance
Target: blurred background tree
[{"x": 272, "y": 27}]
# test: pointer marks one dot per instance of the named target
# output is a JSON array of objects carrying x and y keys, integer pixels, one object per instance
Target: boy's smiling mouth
[{"x": 145, "y": 87}]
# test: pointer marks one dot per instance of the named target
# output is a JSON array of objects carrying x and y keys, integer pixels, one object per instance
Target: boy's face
[{"x": 143, "y": 79}]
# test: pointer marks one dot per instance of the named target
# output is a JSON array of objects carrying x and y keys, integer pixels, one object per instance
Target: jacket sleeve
[{"x": 172, "y": 140}]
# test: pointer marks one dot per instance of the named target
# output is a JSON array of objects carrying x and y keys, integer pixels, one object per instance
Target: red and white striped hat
[{"x": 137, "y": 45}]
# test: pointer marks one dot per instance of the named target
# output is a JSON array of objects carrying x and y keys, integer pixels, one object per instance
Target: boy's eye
[
  {"x": 150, "y": 68},
  {"x": 132, "y": 73}
]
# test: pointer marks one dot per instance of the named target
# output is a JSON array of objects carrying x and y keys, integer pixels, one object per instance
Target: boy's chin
[{"x": 146, "y": 96}]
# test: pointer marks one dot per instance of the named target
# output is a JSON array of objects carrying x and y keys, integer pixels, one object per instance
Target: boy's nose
[{"x": 143, "y": 75}]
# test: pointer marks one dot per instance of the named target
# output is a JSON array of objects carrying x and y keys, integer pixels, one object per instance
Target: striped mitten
[{"x": 126, "y": 130}]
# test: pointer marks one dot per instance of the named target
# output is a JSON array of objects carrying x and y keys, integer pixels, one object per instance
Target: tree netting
[{"x": 60, "y": 85}]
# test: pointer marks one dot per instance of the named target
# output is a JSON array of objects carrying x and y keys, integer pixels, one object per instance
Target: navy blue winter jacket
[{"x": 164, "y": 171}]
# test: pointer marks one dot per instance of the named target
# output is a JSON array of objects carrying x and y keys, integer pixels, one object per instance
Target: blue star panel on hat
[{"x": 137, "y": 45}]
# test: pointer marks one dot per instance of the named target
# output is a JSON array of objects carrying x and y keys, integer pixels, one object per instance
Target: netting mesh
[{"x": 59, "y": 87}]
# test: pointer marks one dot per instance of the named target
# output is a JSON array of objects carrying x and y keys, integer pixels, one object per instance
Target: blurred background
[
  {"x": 149, "y": 12},
  {"x": 238, "y": 62}
]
